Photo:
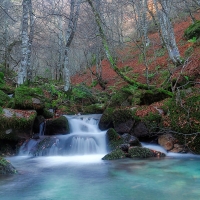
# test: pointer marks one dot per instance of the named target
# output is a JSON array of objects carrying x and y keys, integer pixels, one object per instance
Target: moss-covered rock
[
  {"x": 150, "y": 96},
  {"x": 29, "y": 98},
  {"x": 6, "y": 168},
  {"x": 94, "y": 109},
  {"x": 142, "y": 152},
  {"x": 114, "y": 140},
  {"x": 114, "y": 155},
  {"x": 193, "y": 30},
  {"x": 106, "y": 119},
  {"x": 57, "y": 126},
  {"x": 118, "y": 99},
  {"x": 4, "y": 98},
  {"x": 15, "y": 123},
  {"x": 184, "y": 115},
  {"x": 123, "y": 120},
  {"x": 47, "y": 114}
]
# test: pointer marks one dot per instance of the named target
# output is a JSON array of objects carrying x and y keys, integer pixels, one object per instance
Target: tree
[{"x": 73, "y": 19}]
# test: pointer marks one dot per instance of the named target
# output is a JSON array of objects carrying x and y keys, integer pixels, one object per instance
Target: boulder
[
  {"x": 166, "y": 141},
  {"x": 114, "y": 140},
  {"x": 140, "y": 130},
  {"x": 114, "y": 155},
  {"x": 106, "y": 119},
  {"x": 57, "y": 126},
  {"x": 16, "y": 123},
  {"x": 6, "y": 168},
  {"x": 142, "y": 152},
  {"x": 123, "y": 120},
  {"x": 29, "y": 98},
  {"x": 131, "y": 140}
]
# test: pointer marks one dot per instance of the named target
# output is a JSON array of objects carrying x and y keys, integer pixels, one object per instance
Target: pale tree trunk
[
  {"x": 140, "y": 10},
  {"x": 73, "y": 18},
  {"x": 22, "y": 74},
  {"x": 167, "y": 30},
  {"x": 31, "y": 35}
]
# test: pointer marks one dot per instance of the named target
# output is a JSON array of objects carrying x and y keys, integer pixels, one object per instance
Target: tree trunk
[
  {"x": 31, "y": 35},
  {"x": 74, "y": 13},
  {"x": 22, "y": 74}
]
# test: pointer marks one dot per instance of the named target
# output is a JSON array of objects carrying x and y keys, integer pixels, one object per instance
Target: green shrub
[{"x": 193, "y": 30}]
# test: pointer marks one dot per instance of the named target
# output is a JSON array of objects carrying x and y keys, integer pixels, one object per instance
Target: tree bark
[
  {"x": 73, "y": 19},
  {"x": 22, "y": 74}
]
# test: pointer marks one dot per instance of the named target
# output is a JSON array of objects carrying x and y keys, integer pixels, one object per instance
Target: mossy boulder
[
  {"x": 123, "y": 120},
  {"x": 47, "y": 114},
  {"x": 193, "y": 30},
  {"x": 131, "y": 140},
  {"x": 16, "y": 123},
  {"x": 150, "y": 96},
  {"x": 6, "y": 167},
  {"x": 142, "y": 152},
  {"x": 57, "y": 126},
  {"x": 106, "y": 121},
  {"x": 114, "y": 140},
  {"x": 94, "y": 109},
  {"x": 118, "y": 99},
  {"x": 114, "y": 155},
  {"x": 184, "y": 115},
  {"x": 4, "y": 98},
  {"x": 29, "y": 98}
]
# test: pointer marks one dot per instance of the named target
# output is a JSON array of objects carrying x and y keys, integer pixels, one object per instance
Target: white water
[{"x": 84, "y": 139}]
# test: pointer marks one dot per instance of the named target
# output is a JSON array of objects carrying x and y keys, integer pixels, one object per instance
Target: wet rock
[
  {"x": 166, "y": 141},
  {"x": 178, "y": 149},
  {"x": 6, "y": 168},
  {"x": 130, "y": 139},
  {"x": 124, "y": 127},
  {"x": 57, "y": 126},
  {"x": 142, "y": 152},
  {"x": 124, "y": 147},
  {"x": 114, "y": 140},
  {"x": 114, "y": 155},
  {"x": 140, "y": 130}
]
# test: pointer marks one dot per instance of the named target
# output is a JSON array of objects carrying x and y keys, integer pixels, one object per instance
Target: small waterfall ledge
[{"x": 85, "y": 138}]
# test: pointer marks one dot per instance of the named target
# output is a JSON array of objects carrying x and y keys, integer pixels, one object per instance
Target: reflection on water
[{"x": 90, "y": 178}]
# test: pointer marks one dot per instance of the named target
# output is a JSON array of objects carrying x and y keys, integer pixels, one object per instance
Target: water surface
[{"x": 90, "y": 178}]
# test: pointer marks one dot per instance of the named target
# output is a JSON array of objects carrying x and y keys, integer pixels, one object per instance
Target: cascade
[{"x": 84, "y": 139}]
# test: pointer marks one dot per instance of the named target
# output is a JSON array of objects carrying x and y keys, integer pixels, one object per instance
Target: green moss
[
  {"x": 114, "y": 155},
  {"x": 1, "y": 77},
  {"x": 184, "y": 115},
  {"x": 193, "y": 30},
  {"x": 106, "y": 119},
  {"x": 4, "y": 98},
  {"x": 6, "y": 167},
  {"x": 121, "y": 116},
  {"x": 151, "y": 96},
  {"x": 113, "y": 139},
  {"x": 15, "y": 122},
  {"x": 94, "y": 109},
  {"x": 47, "y": 114},
  {"x": 24, "y": 98},
  {"x": 118, "y": 98},
  {"x": 141, "y": 152}
]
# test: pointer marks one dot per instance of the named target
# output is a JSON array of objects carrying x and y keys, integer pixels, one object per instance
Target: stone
[
  {"x": 140, "y": 130},
  {"x": 166, "y": 141},
  {"x": 6, "y": 167},
  {"x": 130, "y": 139},
  {"x": 124, "y": 127}
]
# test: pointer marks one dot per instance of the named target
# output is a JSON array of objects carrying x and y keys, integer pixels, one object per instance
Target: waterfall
[{"x": 84, "y": 139}]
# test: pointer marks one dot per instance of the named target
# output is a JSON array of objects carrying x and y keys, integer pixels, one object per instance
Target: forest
[{"x": 126, "y": 70}]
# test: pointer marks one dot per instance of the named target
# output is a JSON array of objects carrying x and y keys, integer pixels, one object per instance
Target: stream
[{"x": 82, "y": 175}]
